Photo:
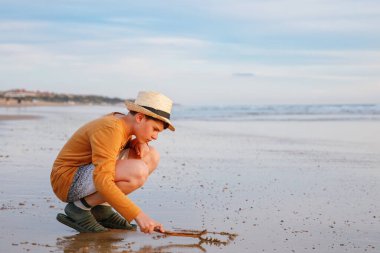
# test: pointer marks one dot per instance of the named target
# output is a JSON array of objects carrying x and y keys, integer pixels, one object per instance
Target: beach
[{"x": 280, "y": 185}]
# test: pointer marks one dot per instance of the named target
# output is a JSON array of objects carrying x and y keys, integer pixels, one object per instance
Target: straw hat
[{"x": 153, "y": 104}]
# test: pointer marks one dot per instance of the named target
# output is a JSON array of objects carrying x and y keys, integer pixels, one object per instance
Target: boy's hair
[{"x": 166, "y": 125}]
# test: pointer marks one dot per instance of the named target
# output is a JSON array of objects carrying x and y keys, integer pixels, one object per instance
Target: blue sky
[{"x": 196, "y": 52}]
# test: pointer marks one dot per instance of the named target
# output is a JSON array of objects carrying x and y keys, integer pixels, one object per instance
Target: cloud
[
  {"x": 20, "y": 57},
  {"x": 289, "y": 16},
  {"x": 243, "y": 49},
  {"x": 16, "y": 25},
  {"x": 121, "y": 20},
  {"x": 172, "y": 41},
  {"x": 294, "y": 9},
  {"x": 243, "y": 74}
]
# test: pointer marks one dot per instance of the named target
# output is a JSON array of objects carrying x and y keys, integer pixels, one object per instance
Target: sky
[{"x": 232, "y": 52}]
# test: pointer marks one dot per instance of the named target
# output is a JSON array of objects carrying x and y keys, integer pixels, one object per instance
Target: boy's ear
[{"x": 139, "y": 117}]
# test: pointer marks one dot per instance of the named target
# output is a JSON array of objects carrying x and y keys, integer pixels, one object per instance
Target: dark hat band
[{"x": 158, "y": 112}]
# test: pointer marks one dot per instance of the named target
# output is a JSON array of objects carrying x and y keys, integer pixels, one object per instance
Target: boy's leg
[{"x": 131, "y": 174}]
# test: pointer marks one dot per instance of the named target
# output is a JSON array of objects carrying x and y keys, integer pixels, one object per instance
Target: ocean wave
[{"x": 279, "y": 112}]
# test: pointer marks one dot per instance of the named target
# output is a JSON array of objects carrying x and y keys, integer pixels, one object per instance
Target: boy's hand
[
  {"x": 148, "y": 225},
  {"x": 141, "y": 149}
]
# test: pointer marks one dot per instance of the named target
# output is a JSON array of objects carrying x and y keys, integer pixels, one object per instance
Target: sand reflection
[
  {"x": 122, "y": 241},
  {"x": 91, "y": 242}
]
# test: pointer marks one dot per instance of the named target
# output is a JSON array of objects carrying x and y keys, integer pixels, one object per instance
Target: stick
[{"x": 183, "y": 234}]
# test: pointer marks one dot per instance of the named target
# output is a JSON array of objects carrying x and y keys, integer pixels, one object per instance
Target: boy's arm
[
  {"x": 141, "y": 148},
  {"x": 105, "y": 144}
]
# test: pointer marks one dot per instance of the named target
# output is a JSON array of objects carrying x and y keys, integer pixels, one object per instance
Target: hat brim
[{"x": 137, "y": 108}]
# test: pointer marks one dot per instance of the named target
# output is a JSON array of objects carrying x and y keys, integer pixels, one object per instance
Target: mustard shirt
[{"x": 98, "y": 142}]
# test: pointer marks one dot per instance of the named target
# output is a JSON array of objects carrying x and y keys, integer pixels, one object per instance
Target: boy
[{"x": 101, "y": 164}]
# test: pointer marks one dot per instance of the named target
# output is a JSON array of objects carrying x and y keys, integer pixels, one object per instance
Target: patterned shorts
[{"x": 83, "y": 183}]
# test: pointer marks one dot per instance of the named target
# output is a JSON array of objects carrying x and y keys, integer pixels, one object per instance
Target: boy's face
[{"x": 147, "y": 129}]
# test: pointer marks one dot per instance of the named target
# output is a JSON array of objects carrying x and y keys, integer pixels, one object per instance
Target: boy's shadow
[{"x": 117, "y": 241}]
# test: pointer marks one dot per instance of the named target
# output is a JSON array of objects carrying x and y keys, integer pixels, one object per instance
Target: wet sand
[
  {"x": 18, "y": 117},
  {"x": 281, "y": 186}
]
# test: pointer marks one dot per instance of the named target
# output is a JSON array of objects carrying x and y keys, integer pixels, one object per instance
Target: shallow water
[{"x": 281, "y": 186}]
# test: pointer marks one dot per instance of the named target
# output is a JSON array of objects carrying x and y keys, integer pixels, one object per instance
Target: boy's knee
[
  {"x": 140, "y": 176},
  {"x": 154, "y": 157}
]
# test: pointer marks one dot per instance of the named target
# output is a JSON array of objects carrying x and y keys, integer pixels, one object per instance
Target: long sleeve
[{"x": 105, "y": 145}]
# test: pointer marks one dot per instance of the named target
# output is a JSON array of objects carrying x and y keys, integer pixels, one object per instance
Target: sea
[
  {"x": 325, "y": 112},
  {"x": 279, "y": 112}
]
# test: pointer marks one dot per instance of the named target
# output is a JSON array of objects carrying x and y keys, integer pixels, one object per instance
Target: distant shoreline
[{"x": 13, "y": 103}]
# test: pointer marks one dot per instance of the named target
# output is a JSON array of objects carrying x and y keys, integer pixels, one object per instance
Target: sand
[
  {"x": 285, "y": 186},
  {"x": 18, "y": 117}
]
